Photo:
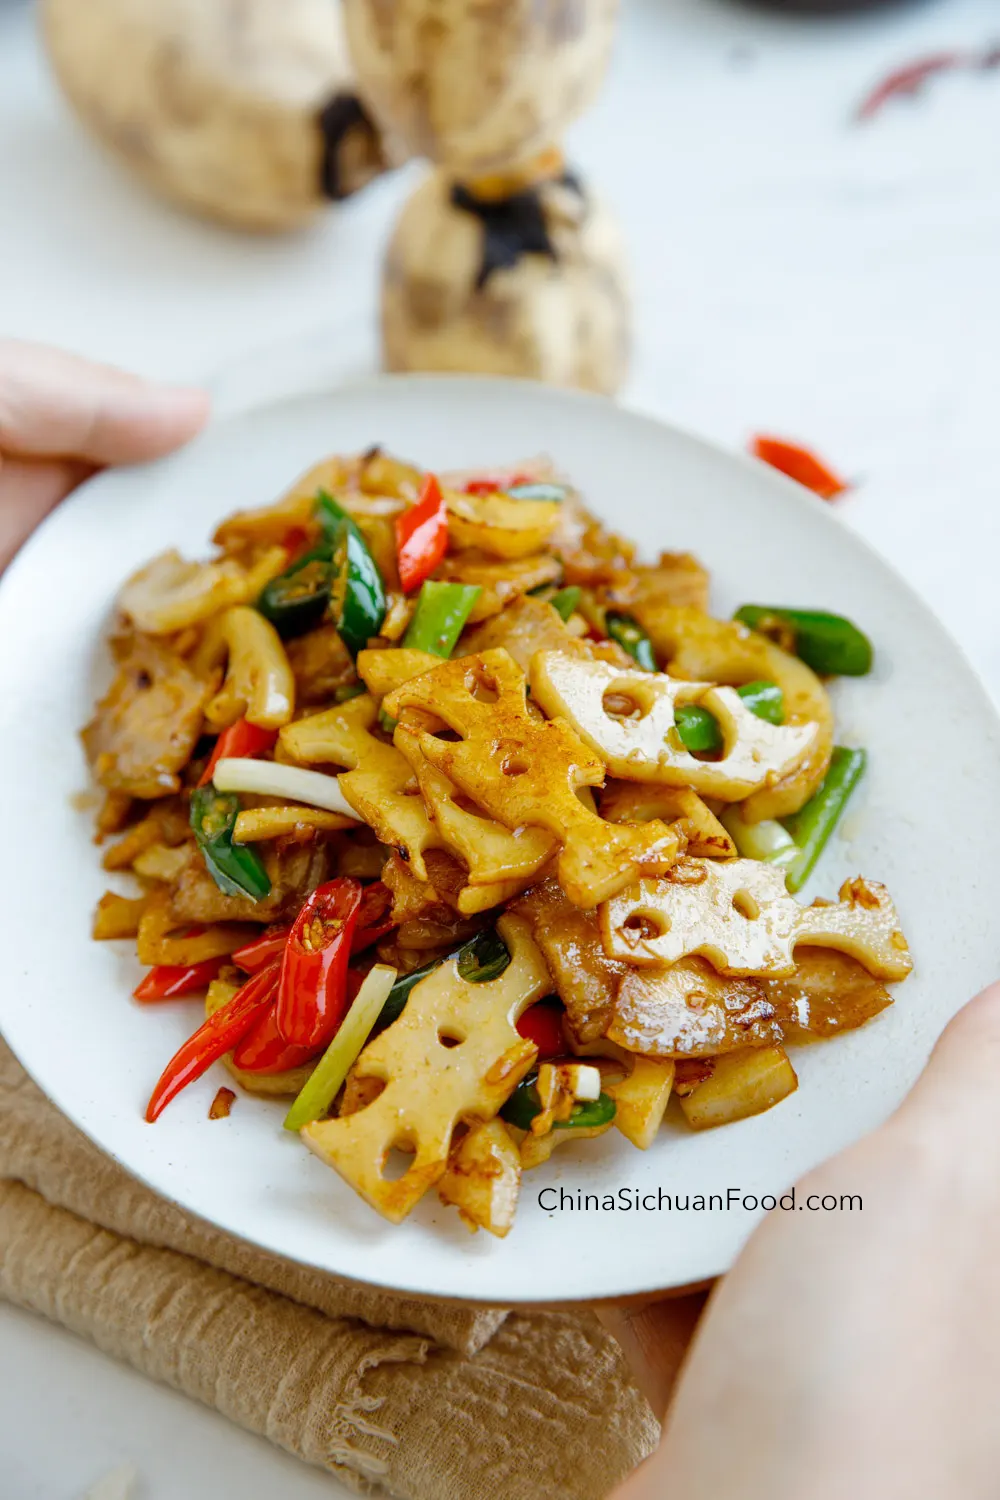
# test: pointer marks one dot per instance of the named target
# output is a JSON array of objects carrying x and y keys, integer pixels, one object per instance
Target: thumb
[
  {"x": 961, "y": 1082},
  {"x": 56, "y": 405}
]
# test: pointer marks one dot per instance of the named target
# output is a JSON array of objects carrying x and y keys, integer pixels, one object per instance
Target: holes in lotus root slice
[
  {"x": 709, "y": 915},
  {"x": 429, "y": 1088},
  {"x": 643, "y": 744},
  {"x": 379, "y": 783},
  {"x": 527, "y": 773},
  {"x": 495, "y": 857}
]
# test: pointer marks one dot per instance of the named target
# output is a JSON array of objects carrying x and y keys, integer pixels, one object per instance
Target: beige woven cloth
[{"x": 422, "y": 1400}]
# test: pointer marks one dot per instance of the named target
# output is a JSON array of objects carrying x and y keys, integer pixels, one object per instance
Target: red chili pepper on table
[
  {"x": 542, "y": 1024},
  {"x": 910, "y": 80},
  {"x": 170, "y": 981},
  {"x": 421, "y": 536},
  {"x": 214, "y": 1038},
  {"x": 312, "y": 988},
  {"x": 801, "y": 465},
  {"x": 239, "y": 741}
]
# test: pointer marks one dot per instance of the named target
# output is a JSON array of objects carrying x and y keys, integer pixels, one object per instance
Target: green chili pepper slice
[
  {"x": 296, "y": 600},
  {"x": 564, "y": 602},
  {"x": 629, "y": 634},
  {"x": 440, "y": 616},
  {"x": 699, "y": 730},
  {"x": 483, "y": 957},
  {"x": 831, "y": 645},
  {"x": 348, "y": 691},
  {"x": 812, "y": 826},
  {"x": 358, "y": 592},
  {"x": 524, "y": 1104},
  {"x": 235, "y": 868},
  {"x": 537, "y": 491},
  {"x": 330, "y": 515}
]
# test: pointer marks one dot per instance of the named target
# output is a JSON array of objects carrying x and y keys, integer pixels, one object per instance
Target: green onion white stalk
[{"x": 271, "y": 778}]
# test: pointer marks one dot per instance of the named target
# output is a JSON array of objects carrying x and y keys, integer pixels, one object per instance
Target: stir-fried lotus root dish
[{"x": 477, "y": 835}]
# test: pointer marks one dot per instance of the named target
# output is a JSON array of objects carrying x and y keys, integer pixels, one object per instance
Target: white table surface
[{"x": 793, "y": 273}]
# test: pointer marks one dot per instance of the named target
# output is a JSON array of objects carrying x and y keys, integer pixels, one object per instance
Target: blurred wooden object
[
  {"x": 501, "y": 261},
  {"x": 247, "y": 115}
]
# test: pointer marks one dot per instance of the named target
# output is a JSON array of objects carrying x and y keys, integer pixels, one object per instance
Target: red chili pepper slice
[
  {"x": 421, "y": 536},
  {"x": 373, "y": 923},
  {"x": 496, "y": 485},
  {"x": 542, "y": 1024},
  {"x": 240, "y": 740},
  {"x": 262, "y": 950},
  {"x": 168, "y": 981},
  {"x": 800, "y": 464},
  {"x": 910, "y": 80},
  {"x": 214, "y": 1038},
  {"x": 264, "y": 1049},
  {"x": 311, "y": 992},
  {"x": 374, "y": 916},
  {"x": 294, "y": 541}
]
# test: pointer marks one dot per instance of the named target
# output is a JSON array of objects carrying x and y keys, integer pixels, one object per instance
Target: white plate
[{"x": 927, "y": 825}]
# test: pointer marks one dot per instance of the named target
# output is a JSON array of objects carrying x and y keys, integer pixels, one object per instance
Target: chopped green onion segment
[
  {"x": 813, "y": 825},
  {"x": 271, "y": 778},
  {"x": 767, "y": 840},
  {"x": 324, "y": 1082}
]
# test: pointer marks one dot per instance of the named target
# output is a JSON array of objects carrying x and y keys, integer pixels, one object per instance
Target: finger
[
  {"x": 654, "y": 1338},
  {"x": 959, "y": 1084},
  {"x": 56, "y": 405},
  {"x": 29, "y": 489}
]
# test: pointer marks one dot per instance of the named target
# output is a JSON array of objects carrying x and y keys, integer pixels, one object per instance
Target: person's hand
[
  {"x": 858, "y": 1353},
  {"x": 62, "y": 417}
]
